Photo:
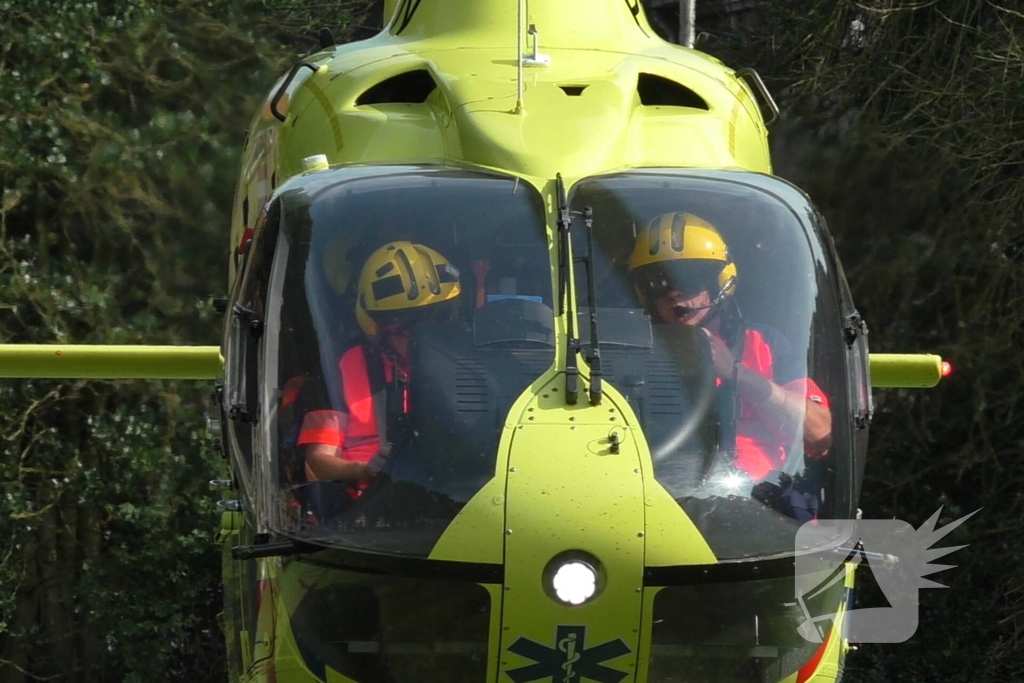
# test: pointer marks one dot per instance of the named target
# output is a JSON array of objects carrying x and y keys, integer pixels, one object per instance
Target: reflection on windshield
[
  {"x": 369, "y": 628},
  {"x": 409, "y": 310},
  {"x": 727, "y": 345}
]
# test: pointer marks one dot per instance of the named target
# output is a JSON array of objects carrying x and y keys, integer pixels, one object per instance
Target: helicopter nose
[
  {"x": 577, "y": 519},
  {"x": 574, "y": 544}
]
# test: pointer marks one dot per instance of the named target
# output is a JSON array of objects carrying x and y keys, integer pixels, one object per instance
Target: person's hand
[
  {"x": 363, "y": 472},
  {"x": 721, "y": 357}
]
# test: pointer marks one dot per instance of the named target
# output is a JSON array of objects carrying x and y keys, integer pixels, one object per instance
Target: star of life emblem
[{"x": 570, "y": 660}]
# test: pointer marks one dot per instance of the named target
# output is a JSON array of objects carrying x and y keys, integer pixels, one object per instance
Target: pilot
[
  {"x": 401, "y": 284},
  {"x": 682, "y": 272}
]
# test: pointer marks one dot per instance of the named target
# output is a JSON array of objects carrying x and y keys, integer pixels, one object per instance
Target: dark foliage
[{"x": 121, "y": 124}]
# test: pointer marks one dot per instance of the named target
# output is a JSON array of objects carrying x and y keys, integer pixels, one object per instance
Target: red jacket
[
  {"x": 353, "y": 428},
  {"x": 761, "y": 447}
]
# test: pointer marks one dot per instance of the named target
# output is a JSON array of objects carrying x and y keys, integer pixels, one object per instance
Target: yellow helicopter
[{"x": 531, "y": 370}]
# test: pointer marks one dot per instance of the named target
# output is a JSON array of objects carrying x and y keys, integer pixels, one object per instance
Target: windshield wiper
[
  {"x": 594, "y": 358},
  {"x": 572, "y": 371}
]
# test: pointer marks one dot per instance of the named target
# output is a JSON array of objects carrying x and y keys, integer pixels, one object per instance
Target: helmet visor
[
  {"x": 689, "y": 276},
  {"x": 408, "y": 318}
]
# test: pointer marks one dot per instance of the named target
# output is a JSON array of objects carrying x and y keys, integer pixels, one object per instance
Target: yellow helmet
[
  {"x": 399, "y": 280},
  {"x": 681, "y": 251}
]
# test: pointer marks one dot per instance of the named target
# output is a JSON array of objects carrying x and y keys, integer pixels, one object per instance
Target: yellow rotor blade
[{"x": 70, "y": 361}]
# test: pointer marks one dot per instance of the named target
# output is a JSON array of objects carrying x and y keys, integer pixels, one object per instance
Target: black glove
[{"x": 380, "y": 461}]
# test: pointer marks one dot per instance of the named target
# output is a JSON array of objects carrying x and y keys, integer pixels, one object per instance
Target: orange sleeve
[
  {"x": 809, "y": 389},
  {"x": 323, "y": 427}
]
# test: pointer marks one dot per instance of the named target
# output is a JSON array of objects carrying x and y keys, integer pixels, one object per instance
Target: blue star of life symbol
[{"x": 570, "y": 661}]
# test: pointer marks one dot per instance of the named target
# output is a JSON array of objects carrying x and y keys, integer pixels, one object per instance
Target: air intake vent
[
  {"x": 573, "y": 90},
  {"x": 656, "y": 90},
  {"x": 412, "y": 87}
]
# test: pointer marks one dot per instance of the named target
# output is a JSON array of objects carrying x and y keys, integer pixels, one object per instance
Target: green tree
[{"x": 121, "y": 124}]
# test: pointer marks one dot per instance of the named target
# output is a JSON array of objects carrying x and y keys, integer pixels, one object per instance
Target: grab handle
[
  {"x": 758, "y": 86},
  {"x": 284, "y": 86}
]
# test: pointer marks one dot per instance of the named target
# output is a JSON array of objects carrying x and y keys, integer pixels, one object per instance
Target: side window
[{"x": 244, "y": 338}]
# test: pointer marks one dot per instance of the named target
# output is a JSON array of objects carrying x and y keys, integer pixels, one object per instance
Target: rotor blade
[{"x": 70, "y": 361}]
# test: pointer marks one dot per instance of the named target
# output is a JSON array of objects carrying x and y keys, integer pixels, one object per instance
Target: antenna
[
  {"x": 687, "y": 21},
  {"x": 519, "y": 57},
  {"x": 535, "y": 58}
]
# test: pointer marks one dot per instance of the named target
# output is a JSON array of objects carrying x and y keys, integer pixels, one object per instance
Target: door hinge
[{"x": 853, "y": 328}]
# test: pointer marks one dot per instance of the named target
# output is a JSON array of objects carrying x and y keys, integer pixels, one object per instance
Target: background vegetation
[{"x": 121, "y": 123}]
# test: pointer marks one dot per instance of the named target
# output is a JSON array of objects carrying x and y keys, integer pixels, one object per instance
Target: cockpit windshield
[
  {"x": 720, "y": 323},
  {"x": 407, "y": 308}
]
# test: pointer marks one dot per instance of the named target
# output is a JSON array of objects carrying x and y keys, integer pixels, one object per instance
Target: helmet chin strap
[{"x": 383, "y": 340}]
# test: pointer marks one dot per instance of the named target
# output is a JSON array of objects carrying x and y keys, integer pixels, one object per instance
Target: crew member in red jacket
[
  {"x": 401, "y": 284},
  {"x": 682, "y": 272}
]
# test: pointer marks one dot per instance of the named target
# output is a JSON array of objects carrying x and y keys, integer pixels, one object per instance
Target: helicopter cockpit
[
  {"x": 393, "y": 348},
  {"x": 390, "y": 316}
]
